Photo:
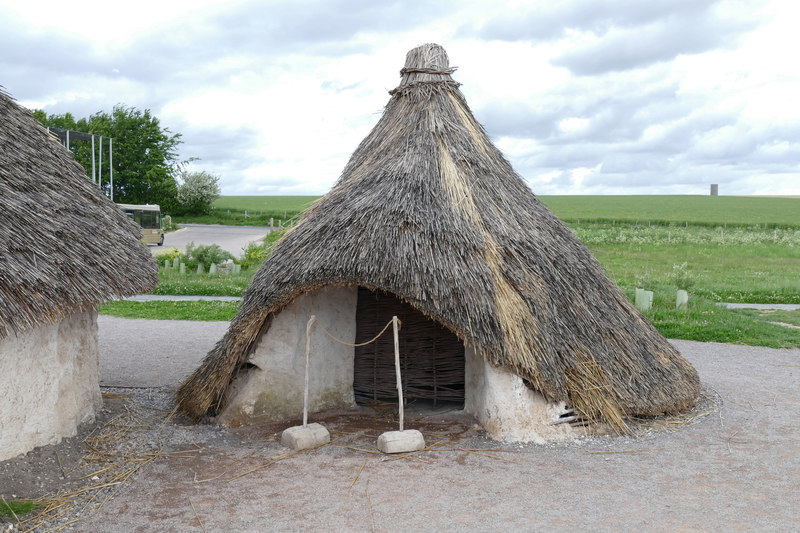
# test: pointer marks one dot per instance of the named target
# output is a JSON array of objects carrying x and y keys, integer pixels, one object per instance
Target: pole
[
  {"x": 397, "y": 369},
  {"x": 111, "y": 165},
  {"x": 308, "y": 350},
  {"x": 94, "y": 176},
  {"x": 100, "y": 169}
]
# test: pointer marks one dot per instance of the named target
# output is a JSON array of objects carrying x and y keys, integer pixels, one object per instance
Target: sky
[{"x": 582, "y": 96}]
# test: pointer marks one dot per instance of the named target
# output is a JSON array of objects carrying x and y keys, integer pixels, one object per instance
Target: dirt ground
[{"x": 732, "y": 464}]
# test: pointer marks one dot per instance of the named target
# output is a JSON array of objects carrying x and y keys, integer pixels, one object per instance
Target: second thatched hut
[
  {"x": 503, "y": 309},
  {"x": 64, "y": 249}
]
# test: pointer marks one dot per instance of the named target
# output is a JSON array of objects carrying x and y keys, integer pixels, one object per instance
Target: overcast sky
[{"x": 583, "y": 96}]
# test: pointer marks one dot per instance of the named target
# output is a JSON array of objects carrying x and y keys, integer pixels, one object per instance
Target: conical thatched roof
[
  {"x": 63, "y": 245},
  {"x": 428, "y": 209}
]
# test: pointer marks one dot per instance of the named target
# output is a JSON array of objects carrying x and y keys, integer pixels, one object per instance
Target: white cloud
[{"x": 582, "y": 96}]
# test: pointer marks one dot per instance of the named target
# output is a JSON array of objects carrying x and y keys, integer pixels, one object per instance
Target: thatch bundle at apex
[
  {"x": 64, "y": 249},
  {"x": 429, "y": 218}
]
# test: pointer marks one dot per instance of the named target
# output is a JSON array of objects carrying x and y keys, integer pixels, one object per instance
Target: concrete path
[
  {"x": 780, "y": 307},
  {"x": 230, "y": 238},
  {"x": 173, "y": 298}
]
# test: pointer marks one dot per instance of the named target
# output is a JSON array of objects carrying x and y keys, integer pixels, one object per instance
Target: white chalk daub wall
[
  {"x": 509, "y": 410},
  {"x": 50, "y": 383},
  {"x": 273, "y": 390}
]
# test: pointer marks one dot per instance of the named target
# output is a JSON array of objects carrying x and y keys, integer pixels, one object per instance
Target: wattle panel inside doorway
[{"x": 431, "y": 356}]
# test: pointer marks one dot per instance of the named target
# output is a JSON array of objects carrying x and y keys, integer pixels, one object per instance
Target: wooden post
[
  {"x": 397, "y": 370},
  {"x": 308, "y": 351}
]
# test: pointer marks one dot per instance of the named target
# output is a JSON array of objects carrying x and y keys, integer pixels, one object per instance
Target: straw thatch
[
  {"x": 428, "y": 209},
  {"x": 64, "y": 247}
]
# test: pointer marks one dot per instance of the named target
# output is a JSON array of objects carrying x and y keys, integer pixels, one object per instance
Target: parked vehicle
[{"x": 149, "y": 218}]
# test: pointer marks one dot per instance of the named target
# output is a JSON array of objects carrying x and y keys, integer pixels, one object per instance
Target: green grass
[
  {"x": 274, "y": 204},
  {"x": 705, "y": 321},
  {"x": 737, "y": 265},
  {"x": 171, "y": 281},
  {"x": 698, "y": 210},
  {"x": 160, "y": 310},
  {"x": 772, "y": 316},
  {"x": 17, "y": 508}
]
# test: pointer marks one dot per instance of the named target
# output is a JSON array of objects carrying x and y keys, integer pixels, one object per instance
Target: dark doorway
[{"x": 431, "y": 356}]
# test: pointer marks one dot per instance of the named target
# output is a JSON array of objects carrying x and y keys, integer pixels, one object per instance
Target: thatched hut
[
  {"x": 64, "y": 249},
  {"x": 503, "y": 309}
]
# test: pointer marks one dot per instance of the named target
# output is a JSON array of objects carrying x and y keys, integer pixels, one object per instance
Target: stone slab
[
  {"x": 300, "y": 437},
  {"x": 409, "y": 440}
]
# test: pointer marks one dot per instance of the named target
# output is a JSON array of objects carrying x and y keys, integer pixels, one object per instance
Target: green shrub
[
  {"x": 204, "y": 253},
  {"x": 682, "y": 277},
  {"x": 167, "y": 254},
  {"x": 255, "y": 253}
]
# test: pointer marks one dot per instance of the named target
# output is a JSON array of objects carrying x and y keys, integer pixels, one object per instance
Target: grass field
[
  {"x": 262, "y": 204},
  {"x": 675, "y": 210},
  {"x": 750, "y": 265}
]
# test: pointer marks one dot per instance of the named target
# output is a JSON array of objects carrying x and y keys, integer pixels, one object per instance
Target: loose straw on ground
[
  {"x": 103, "y": 445},
  {"x": 197, "y": 515},
  {"x": 369, "y": 503}
]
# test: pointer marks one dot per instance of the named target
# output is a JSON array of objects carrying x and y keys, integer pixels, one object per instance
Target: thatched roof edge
[{"x": 64, "y": 246}]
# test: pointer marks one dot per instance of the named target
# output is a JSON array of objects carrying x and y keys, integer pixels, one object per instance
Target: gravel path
[
  {"x": 153, "y": 353},
  {"x": 734, "y": 466}
]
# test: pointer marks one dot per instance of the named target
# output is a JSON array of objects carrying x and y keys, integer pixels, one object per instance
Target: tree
[
  {"x": 145, "y": 154},
  {"x": 197, "y": 191}
]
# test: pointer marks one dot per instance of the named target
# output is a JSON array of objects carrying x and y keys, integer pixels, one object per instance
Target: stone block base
[
  {"x": 409, "y": 440},
  {"x": 300, "y": 438}
]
